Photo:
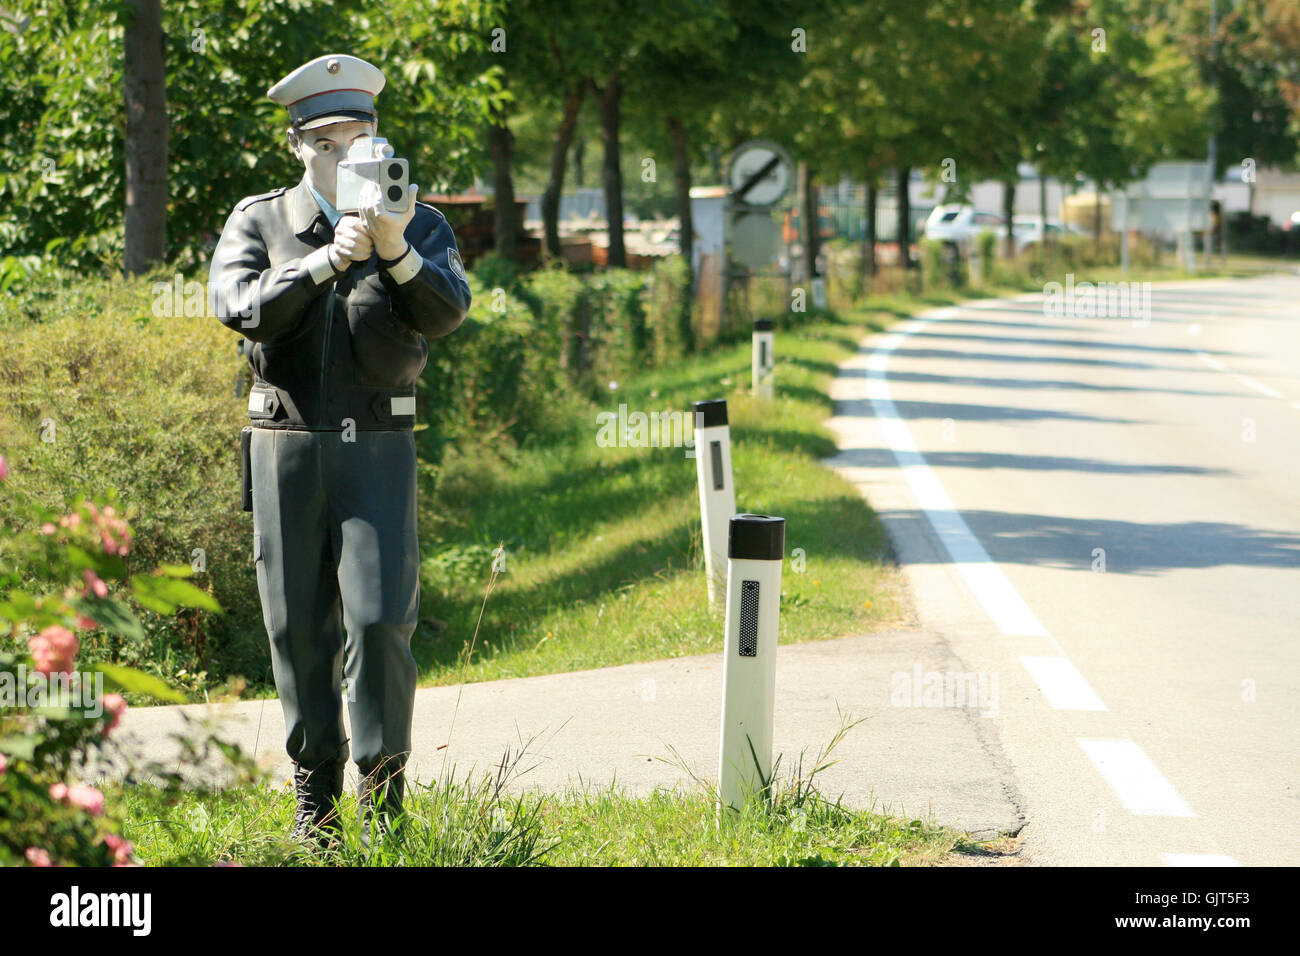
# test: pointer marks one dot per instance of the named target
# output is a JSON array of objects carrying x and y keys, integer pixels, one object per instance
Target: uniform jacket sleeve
[
  {"x": 249, "y": 295},
  {"x": 434, "y": 300}
]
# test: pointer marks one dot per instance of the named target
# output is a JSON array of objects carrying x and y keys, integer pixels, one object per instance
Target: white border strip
[
  {"x": 1134, "y": 778},
  {"x": 1248, "y": 382},
  {"x": 1062, "y": 684},
  {"x": 995, "y": 593}
]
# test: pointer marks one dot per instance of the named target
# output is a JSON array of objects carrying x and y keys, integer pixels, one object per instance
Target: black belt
[{"x": 371, "y": 408}]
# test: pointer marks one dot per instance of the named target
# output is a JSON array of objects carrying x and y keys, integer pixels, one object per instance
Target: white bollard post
[
  {"x": 756, "y": 550},
  {"x": 717, "y": 493},
  {"x": 763, "y": 362}
]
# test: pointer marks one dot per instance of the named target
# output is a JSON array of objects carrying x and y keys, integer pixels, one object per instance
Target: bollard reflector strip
[{"x": 749, "y": 619}]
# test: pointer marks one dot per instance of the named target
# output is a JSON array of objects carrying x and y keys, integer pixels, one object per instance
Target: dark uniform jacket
[{"x": 327, "y": 346}]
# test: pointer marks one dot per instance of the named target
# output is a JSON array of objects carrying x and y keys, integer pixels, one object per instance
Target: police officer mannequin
[{"x": 337, "y": 311}]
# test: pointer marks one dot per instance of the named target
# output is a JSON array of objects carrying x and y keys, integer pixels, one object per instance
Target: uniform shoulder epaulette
[
  {"x": 432, "y": 209},
  {"x": 249, "y": 200}
]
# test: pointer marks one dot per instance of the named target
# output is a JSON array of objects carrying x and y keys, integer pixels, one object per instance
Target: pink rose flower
[
  {"x": 48, "y": 528},
  {"x": 95, "y": 583},
  {"x": 54, "y": 649},
  {"x": 59, "y": 791},
  {"x": 115, "y": 707},
  {"x": 4, "y": 468},
  {"x": 86, "y": 623},
  {"x": 4, "y": 765},
  {"x": 38, "y": 857},
  {"x": 121, "y": 849},
  {"x": 87, "y": 798}
]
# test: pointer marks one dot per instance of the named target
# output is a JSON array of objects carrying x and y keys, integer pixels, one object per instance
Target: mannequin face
[{"x": 320, "y": 151}]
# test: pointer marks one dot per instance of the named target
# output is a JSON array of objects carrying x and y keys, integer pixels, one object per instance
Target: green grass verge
[{"x": 491, "y": 822}]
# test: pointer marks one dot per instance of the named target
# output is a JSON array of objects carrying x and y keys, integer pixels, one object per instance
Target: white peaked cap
[{"x": 335, "y": 88}]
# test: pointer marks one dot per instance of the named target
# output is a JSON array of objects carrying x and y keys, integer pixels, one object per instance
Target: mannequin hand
[
  {"x": 352, "y": 240},
  {"x": 386, "y": 228}
]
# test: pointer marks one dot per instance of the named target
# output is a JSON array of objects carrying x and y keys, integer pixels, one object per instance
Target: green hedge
[{"x": 144, "y": 407}]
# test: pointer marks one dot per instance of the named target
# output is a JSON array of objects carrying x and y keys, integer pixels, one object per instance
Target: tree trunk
[
  {"x": 1042, "y": 212},
  {"x": 682, "y": 186},
  {"x": 146, "y": 137},
  {"x": 501, "y": 149},
  {"x": 579, "y": 154},
  {"x": 1009, "y": 214},
  {"x": 1096, "y": 218},
  {"x": 869, "y": 236},
  {"x": 686, "y": 229},
  {"x": 612, "y": 173},
  {"x": 555, "y": 182},
  {"x": 905, "y": 220},
  {"x": 808, "y": 220}
]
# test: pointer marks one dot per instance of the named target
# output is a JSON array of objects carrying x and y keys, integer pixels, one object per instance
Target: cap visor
[{"x": 346, "y": 116}]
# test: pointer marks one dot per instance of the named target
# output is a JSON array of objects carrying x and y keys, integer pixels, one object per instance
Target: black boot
[
  {"x": 380, "y": 792},
  {"x": 318, "y": 790}
]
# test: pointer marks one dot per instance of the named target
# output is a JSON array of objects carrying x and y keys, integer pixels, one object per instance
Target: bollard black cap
[
  {"x": 756, "y": 537},
  {"x": 764, "y": 325},
  {"x": 715, "y": 412}
]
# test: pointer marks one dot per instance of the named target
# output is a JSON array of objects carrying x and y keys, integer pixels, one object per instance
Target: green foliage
[
  {"x": 618, "y": 326},
  {"x": 668, "y": 309},
  {"x": 934, "y": 269},
  {"x": 105, "y": 395},
  {"x": 556, "y": 297},
  {"x": 62, "y": 572},
  {"x": 61, "y": 145}
]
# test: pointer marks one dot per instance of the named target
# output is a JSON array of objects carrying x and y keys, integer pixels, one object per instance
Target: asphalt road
[{"x": 1101, "y": 516}]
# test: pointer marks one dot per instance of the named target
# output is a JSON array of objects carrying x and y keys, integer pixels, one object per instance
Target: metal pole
[
  {"x": 1123, "y": 227},
  {"x": 1213, "y": 151}
]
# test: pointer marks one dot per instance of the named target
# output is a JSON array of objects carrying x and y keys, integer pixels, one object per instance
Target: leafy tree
[{"x": 63, "y": 139}]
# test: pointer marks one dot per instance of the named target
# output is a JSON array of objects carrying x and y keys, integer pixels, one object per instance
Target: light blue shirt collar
[{"x": 332, "y": 214}]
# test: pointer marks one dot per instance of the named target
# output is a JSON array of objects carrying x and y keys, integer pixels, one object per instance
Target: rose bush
[{"x": 58, "y": 578}]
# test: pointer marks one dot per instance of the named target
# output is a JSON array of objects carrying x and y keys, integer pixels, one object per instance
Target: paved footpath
[{"x": 617, "y": 725}]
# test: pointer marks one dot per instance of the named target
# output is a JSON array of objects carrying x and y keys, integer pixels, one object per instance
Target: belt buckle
[{"x": 263, "y": 401}]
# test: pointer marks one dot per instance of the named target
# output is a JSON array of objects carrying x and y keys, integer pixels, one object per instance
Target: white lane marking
[
  {"x": 1199, "y": 859},
  {"x": 1248, "y": 382},
  {"x": 995, "y": 593},
  {"x": 1062, "y": 684},
  {"x": 1135, "y": 779},
  {"x": 1129, "y": 772}
]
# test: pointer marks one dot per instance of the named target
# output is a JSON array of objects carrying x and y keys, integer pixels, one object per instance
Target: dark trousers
[{"x": 334, "y": 540}]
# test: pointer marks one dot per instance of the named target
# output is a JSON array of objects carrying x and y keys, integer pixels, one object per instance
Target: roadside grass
[{"x": 491, "y": 821}]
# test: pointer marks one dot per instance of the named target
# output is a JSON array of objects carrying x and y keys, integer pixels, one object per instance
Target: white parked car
[
  {"x": 1028, "y": 230},
  {"x": 960, "y": 224}
]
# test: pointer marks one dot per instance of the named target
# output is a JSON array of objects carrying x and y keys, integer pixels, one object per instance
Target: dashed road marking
[
  {"x": 1062, "y": 684},
  {"x": 1139, "y": 785},
  {"x": 1248, "y": 382}
]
